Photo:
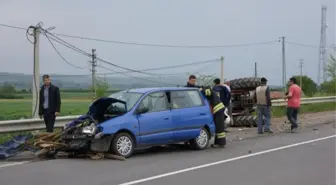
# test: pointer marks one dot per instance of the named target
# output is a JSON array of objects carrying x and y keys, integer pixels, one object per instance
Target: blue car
[{"x": 141, "y": 118}]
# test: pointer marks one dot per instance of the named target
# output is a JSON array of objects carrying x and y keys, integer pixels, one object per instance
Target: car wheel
[
  {"x": 202, "y": 141},
  {"x": 123, "y": 145}
]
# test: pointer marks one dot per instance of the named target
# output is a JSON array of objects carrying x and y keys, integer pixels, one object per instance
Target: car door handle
[
  {"x": 202, "y": 114},
  {"x": 166, "y": 118}
]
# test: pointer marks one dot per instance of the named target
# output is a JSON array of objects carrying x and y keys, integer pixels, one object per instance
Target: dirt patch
[{"x": 281, "y": 124}]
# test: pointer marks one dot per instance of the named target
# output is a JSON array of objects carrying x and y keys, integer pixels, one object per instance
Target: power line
[
  {"x": 15, "y": 27},
  {"x": 64, "y": 43},
  {"x": 68, "y": 45},
  {"x": 165, "y": 45},
  {"x": 128, "y": 69},
  {"x": 304, "y": 45},
  {"x": 100, "y": 59},
  {"x": 170, "y": 67},
  {"x": 153, "y": 81},
  {"x": 150, "y": 45},
  {"x": 59, "y": 54}
]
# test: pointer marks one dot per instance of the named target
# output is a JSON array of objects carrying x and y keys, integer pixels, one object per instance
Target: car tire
[
  {"x": 202, "y": 141},
  {"x": 123, "y": 145}
]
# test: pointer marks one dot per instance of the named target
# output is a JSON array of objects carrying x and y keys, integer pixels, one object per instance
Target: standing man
[
  {"x": 293, "y": 103},
  {"x": 50, "y": 103},
  {"x": 263, "y": 99},
  {"x": 227, "y": 85},
  {"x": 192, "y": 82},
  {"x": 224, "y": 95}
]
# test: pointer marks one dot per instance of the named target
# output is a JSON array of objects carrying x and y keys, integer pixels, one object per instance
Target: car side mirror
[{"x": 142, "y": 110}]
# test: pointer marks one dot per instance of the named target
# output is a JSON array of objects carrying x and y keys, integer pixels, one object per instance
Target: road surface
[{"x": 277, "y": 160}]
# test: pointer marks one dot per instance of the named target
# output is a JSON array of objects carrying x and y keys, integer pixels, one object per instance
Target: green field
[
  {"x": 65, "y": 95},
  {"x": 18, "y": 109}
]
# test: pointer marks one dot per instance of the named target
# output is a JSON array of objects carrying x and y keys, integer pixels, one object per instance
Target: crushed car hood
[
  {"x": 97, "y": 108},
  {"x": 102, "y": 104}
]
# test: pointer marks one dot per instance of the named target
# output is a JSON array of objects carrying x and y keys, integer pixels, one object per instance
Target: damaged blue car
[{"x": 142, "y": 118}]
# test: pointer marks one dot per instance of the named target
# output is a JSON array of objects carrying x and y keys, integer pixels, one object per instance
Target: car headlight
[{"x": 89, "y": 129}]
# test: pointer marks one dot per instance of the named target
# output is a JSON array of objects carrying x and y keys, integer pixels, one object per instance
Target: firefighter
[
  {"x": 220, "y": 116},
  {"x": 224, "y": 94}
]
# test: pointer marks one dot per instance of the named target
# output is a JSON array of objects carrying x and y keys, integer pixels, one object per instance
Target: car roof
[{"x": 153, "y": 89}]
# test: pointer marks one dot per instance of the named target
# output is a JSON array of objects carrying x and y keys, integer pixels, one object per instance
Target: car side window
[
  {"x": 178, "y": 100},
  {"x": 185, "y": 99},
  {"x": 155, "y": 102},
  {"x": 194, "y": 98}
]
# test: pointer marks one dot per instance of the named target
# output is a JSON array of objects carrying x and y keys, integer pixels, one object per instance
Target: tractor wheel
[
  {"x": 245, "y": 83},
  {"x": 245, "y": 121}
]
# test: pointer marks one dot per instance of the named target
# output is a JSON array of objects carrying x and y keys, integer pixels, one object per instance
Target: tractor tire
[
  {"x": 245, "y": 83},
  {"x": 245, "y": 121}
]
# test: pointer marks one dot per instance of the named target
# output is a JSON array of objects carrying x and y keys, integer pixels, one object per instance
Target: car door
[
  {"x": 189, "y": 114},
  {"x": 155, "y": 126}
]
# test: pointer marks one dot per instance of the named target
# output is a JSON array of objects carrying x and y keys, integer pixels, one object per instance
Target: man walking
[
  {"x": 224, "y": 95},
  {"x": 263, "y": 99},
  {"x": 293, "y": 103},
  {"x": 50, "y": 103}
]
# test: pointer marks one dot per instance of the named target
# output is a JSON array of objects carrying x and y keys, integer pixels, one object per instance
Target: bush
[{"x": 10, "y": 96}]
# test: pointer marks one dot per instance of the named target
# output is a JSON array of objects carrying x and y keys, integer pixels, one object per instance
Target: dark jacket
[
  {"x": 224, "y": 94},
  {"x": 216, "y": 104},
  {"x": 189, "y": 85},
  {"x": 54, "y": 99}
]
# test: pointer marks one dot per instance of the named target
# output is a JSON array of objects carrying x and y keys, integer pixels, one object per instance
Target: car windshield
[{"x": 129, "y": 97}]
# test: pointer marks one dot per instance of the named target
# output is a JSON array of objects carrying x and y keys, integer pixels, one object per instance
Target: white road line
[
  {"x": 13, "y": 164},
  {"x": 224, "y": 161}
]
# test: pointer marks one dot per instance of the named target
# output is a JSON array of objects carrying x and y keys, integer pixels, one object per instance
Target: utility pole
[
  {"x": 93, "y": 71},
  {"x": 283, "y": 65},
  {"x": 322, "y": 65},
  {"x": 255, "y": 70},
  {"x": 36, "y": 71},
  {"x": 222, "y": 69},
  {"x": 301, "y": 65}
]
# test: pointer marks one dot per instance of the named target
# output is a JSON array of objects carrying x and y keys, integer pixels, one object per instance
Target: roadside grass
[
  {"x": 306, "y": 108},
  {"x": 21, "y": 109}
]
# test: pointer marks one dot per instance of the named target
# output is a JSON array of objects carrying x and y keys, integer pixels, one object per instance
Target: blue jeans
[
  {"x": 292, "y": 114},
  {"x": 263, "y": 111}
]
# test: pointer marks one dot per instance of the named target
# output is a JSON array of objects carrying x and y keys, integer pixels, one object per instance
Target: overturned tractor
[{"x": 243, "y": 104}]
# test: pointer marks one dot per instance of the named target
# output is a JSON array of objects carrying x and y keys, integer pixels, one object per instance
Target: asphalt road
[{"x": 262, "y": 162}]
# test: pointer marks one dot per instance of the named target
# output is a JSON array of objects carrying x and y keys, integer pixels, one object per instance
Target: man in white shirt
[{"x": 227, "y": 85}]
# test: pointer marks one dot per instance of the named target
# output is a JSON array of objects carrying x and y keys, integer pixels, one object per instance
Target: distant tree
[
  {"x": 8, "y": 88},
  {"x": 101, "y": 88},
  {"x": 331, "y": 68},
  {"x": 309, "y": 87},
  {"x": 329, "y": 87}
]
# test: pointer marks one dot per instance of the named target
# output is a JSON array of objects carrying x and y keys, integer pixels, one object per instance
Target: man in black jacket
[
  {"x": 50, "y": 103},
  {"x": 192, "y": 82}
]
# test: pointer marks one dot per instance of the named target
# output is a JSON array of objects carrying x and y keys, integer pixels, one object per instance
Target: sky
[{"x": 173, "y": 22}]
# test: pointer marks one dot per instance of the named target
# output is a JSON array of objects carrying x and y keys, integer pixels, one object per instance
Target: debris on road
[{"x": 46, "y": 145}]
